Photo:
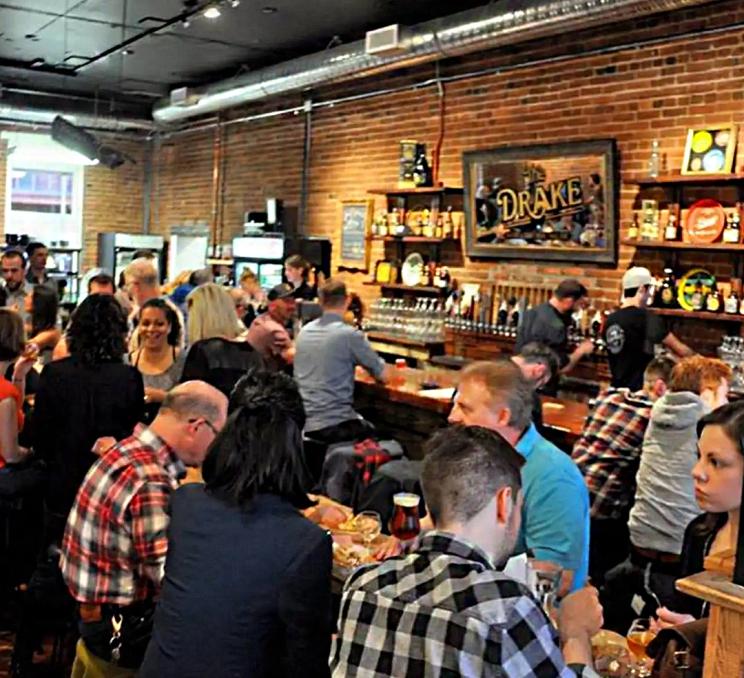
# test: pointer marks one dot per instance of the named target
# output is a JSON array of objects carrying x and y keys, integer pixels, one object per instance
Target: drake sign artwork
[{"x": 552, "y": 202}]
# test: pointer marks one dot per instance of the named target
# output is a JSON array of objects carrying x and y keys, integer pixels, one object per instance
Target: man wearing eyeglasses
[{"x": 115, "y": 543}]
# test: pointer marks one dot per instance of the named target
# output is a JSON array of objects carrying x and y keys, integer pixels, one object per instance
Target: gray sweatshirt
[{"x": 665, "y": 499}]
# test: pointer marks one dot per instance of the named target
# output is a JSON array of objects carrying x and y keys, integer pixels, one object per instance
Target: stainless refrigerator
[
  {"x": 263, "y": 254},
  {"x": 116, "y": 251}
]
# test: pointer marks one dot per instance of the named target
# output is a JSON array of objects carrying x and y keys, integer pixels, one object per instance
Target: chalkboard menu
[{"x": 355, "y": 217}]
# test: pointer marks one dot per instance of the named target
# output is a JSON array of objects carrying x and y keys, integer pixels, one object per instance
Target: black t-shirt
[
  {"x": 544, "y": 324},
  {"x": 631, "y": 334}
]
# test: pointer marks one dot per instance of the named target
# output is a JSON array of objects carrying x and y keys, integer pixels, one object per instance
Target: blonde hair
[
  {"x": 143, "y": 271},
  {"x": 211, "y": 313},
  {"x": 248, "y": 274}
]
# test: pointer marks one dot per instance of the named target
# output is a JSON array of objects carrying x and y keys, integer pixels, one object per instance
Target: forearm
[{"x": 577, "y": 650}]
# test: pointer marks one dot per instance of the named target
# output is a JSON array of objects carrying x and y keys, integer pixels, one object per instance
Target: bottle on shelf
[
  {"x": 439, "y": 228},
  {"x": 666, "y": 296},
  {"x": 503, "y": 315},
  {"x": 698, "y": 297},
  {"x": 713, "y": 301},
  {"x": 634, "y": 230},
  {"x": 732, "y": 231},
  {"x": 654, "y": 160},
  {"x": 671, "y": 231},
  {"x": 421, "y": 170},
  {"x": 596, "y": 323},
  {"x": 731, "y": 305}
]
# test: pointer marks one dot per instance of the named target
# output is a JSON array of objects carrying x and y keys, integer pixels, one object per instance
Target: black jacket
[
  {"x": 245, "y": 593},
  {"x": 220, "y": 362},
  {"x": 75, "y": 405}
]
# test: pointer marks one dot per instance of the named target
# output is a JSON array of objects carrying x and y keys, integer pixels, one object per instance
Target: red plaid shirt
[
  {"x": 115, "y": 542},
  {"x": 609, "y": 450}
]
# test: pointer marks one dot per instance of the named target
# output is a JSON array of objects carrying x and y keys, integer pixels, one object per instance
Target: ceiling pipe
[
  {"x": 462, "y": 33},
  {"x": 44, "y": 118}
]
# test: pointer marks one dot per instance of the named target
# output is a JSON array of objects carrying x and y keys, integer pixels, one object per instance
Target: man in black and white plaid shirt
[{"x": 445, "y": 609}]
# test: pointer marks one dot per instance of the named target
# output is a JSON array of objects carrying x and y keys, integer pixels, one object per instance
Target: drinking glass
[
  {"x": 544, "y": 580},
  {"x": 369, "y": 525},
  {"x": 405, "y": 524},
  {"x": 639, "y": 636}
]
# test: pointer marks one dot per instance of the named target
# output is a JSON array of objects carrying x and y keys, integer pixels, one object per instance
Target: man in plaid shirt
[
  {"x": 114, "y": 547},
  {"x": 608, "y": 454},
  {"x": 446, "y": 609}
]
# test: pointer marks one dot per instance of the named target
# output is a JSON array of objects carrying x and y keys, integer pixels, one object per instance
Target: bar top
[{"x": 426, "y": 389}]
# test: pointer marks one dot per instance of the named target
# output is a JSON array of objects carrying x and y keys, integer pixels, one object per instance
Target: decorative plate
[
  {"x": 413, "y": 269},
  {"x": 687, "y": 284},
  {"x": 705, "y": 221}
]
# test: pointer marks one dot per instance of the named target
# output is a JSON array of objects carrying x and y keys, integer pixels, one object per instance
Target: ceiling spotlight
[
  {"x": 186, "y": 23},
  {"x": 269, "y": 9},
  {"x": 127, "y": 52},
  {"x": 234, "y": 3},
  {"x": 212, "y": 12}
]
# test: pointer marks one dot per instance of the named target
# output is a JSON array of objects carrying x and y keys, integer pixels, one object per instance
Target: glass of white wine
[
  {"x": 639, "y": 636},
  {"x": 369, "y": 525}
]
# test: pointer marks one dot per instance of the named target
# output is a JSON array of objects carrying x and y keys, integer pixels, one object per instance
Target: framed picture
[
  {"x": 710, "y": 151},
  {"x": 555, "y": 202},
  {"x": 356, "y": 219}
]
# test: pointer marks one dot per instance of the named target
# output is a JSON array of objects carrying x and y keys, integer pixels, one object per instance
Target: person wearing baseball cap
[
  {"x": 268, "y": 334},
  {"x": 632, "y": 332}
]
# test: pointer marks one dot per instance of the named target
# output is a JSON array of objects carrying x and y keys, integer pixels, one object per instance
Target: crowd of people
[{"x": 106, "y": 422}]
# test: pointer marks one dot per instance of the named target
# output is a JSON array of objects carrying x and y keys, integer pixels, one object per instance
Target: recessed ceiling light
[
  {"x": 234, "y": 3},
  {"x": 212, "y": 12},
  {"x": 269, "y": 9},
  {"x": 127, "y": 52}
]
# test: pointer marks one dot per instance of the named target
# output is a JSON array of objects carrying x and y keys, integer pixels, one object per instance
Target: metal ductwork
[
  {"x": 32, "y": 116},
  {"x": 466, "y": 32}
]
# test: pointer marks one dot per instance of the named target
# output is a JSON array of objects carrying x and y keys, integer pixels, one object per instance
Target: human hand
[
  {"x": 327, "y": 515},
  {"x": 154, "y": 395},
  {"x": 580, "y": 614},
  {"x": 25, "y": 362},
  {"x": 586, "y": 347},
  {"x": 666, "y": 619},
  {"x": 389, "y": 548},
  {"x": 103, "y": 445}
]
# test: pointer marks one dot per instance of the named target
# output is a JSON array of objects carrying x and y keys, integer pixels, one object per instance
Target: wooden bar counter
[{"x": 410, "y": 408}]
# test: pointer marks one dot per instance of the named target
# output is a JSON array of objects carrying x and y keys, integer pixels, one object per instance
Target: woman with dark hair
[
  {"x": 12, "y": 358},
  {"x": 89, "y": 395},
  {"x": 158, "y": 359},
  {"x": 247, "y": 577},
  {"x": 297, "y": 272},
  {"x": 41, "y": 309}
]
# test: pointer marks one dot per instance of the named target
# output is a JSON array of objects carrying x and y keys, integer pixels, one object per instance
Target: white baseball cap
[{"x": 638, "y": 276}]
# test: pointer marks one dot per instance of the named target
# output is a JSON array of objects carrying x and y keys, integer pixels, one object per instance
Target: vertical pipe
[
  {"x": 215, "y": 187},
  {"x": 305, "y": 181},
  {"x": 147, "y": 186}
]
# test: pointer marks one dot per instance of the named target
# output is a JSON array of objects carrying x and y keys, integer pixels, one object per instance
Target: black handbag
[{"x": 678, "y": 651}]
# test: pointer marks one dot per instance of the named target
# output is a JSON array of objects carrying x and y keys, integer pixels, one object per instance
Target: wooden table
[
  {"x": 724, "y": 650},
  {"x": 404, "y": 406}
]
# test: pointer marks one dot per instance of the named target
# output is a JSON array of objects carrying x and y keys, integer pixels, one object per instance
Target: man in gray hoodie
[{"x": 665, "y": 500}]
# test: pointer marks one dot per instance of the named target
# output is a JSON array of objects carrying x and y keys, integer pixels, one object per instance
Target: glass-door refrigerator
[
  {"x": 263, "y": 254},
  {"x": 116, "y": 251}
]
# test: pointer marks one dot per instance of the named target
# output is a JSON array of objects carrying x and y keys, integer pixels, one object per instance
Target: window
[{"x": 44, "y": 191}]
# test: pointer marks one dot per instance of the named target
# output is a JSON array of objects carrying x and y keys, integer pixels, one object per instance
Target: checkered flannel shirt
[
  {"x": 115, "y": 541},
  {"x": 609, "y": 450},
  {"x": 444, "y": 610}
]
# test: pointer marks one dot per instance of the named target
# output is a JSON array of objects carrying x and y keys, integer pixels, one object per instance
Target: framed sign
[
  {"x": 710, "y": 151},
  {"x": 555, "y": 202},
  {"x": 356, "y": 217}
]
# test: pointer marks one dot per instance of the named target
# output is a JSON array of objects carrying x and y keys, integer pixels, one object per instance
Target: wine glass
[
  {"x": 369, "y": 526},
  {"x": 639, "y": 636}
]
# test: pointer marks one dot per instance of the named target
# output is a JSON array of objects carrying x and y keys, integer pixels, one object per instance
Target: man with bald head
[{"x": 114, "y": 548}]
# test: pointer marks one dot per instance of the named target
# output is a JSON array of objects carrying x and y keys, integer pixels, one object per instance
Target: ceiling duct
[
  {"x": 470, "y": 31},
  {"x": 33, "y": 116}
]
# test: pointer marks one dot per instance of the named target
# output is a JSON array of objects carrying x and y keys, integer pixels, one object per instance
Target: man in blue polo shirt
[{"x": 555, "y": 515}]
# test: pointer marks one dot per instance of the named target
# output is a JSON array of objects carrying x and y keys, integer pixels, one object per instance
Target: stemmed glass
[{"x": 639, "y": 636}]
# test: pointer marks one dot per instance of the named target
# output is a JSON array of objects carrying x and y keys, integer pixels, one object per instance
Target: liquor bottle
[
  {"x": 439, "y": 228},
  {"x": 654, "y": 160},
  {"x": 732, "y": 232},
  {"x": 634, "y": 230},
  {"x": 732, "y": 303},
  {"x": 421, "y": 170},
  {"x": 448, "y": 228},
  {"x": 698, "y": 297},
  {"x": 666, "y": 297},
  {"x": 596, "y": 323},
  {"x": 713, "y": 301},
  {"x": 671, "y": 232}
]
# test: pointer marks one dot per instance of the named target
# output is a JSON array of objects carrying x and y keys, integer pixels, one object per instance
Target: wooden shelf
[
  {"x": 666, "y": 245},
  {"x": 406, "y": 288},
  {"x": 645, "y": 180},
  {"x": 701, "y": 315},
  {"x": 219, "y": 262},
  {"x": 448, "y": 190},
  {"x": 402, "y": 341},
  {"x": 413, "y": 238}
]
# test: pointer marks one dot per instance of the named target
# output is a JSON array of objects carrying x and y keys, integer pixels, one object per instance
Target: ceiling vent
[
  {"x": 384, "y": 41},
  {"x": 183, "y": 97}
]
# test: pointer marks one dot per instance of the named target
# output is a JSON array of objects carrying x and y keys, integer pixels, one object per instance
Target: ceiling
[{"x": 44, "y": 44}]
